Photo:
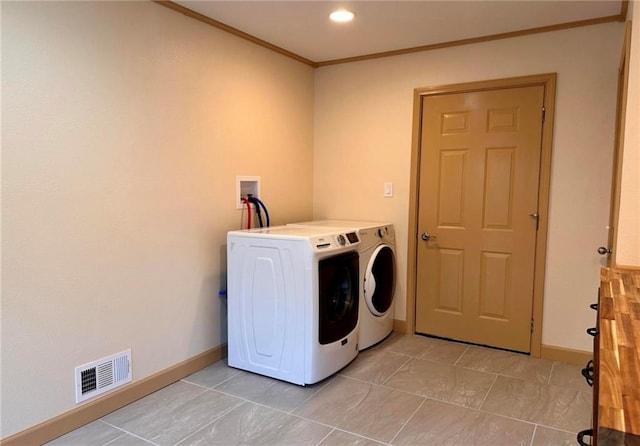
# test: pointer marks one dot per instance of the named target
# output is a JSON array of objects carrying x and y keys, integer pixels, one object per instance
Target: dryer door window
[
  {"x": 379, "y": 280},
  {"x": 340, "y": 298},
  {"x": 338, "y": 292}
]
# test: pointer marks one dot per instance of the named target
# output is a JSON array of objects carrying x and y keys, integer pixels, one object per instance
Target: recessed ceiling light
[{"x": 341, "y": 16}]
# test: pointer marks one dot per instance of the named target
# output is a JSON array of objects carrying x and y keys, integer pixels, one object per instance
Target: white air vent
[{"x": 102, "y": 375}]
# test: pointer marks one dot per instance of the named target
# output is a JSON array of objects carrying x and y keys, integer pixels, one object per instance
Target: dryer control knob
[
  {"x": 380, "y": 233},
  {"x": 341, "y": 240}
]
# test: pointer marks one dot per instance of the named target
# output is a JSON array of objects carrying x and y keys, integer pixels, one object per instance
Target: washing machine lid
[
  {"x": 344, "y": 224},
  {"x": 285, "y": 232},
  {"x": 320, "y": 239}
]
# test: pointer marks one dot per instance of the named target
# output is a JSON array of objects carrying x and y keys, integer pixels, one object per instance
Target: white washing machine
[
  {"x": 377, "y": 275},
  {"x": 292, "y": 300}
]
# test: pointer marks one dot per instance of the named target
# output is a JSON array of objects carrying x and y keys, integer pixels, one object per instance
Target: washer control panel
[
  {"x": 322, "y": 243},
  {"x": 381, "y": 232}
]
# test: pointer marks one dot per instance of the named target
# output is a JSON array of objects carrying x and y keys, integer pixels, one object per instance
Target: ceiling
[{"x": 302, "y": 27}]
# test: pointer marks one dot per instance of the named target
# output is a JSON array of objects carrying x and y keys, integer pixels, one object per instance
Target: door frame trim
[
  {"x": 548, "y": 81},
  {"x": 618, "y": 150}
]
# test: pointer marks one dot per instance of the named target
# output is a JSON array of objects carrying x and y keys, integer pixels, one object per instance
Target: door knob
[
  {"x": 604, "y": 250},
  {"x": 426, "y": 236}
]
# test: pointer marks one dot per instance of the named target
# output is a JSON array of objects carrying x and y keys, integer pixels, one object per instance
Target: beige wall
[
  {"x": 363, "y": 126},
  {"x": 628, "y": 243},
  {"x": 124, "y": 127}
]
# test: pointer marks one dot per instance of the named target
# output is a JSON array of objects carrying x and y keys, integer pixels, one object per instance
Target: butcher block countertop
[{"x": 619, "y": 357}]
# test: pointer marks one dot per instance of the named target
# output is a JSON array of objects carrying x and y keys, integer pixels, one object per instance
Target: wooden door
[{"x": 478, "y": 210}]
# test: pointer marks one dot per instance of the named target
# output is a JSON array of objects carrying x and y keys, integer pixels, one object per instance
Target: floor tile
[
  {"x": 423, "y": 398},
  {"x": 545, "y": 436},
  {"x": 443, "y": 382},
  {"x": 251, "y": 424},
  {"x": 425, "y": 348},
  {"x": 441, "y": 351},
  {"x": 213, "y": 375},
  {"x": 268, "y": 391},
  {"x": 437, "y": 423},
  {"x": 366, "y": 409},
  {"x": 167, "y": 416},
  {"x": 127, "y": 440},
  {"x": 506, "y": 363},
  {"x": 96, "y": 433},
  {"x": 568, "y": 375},
  {"x": 375, "y": 366},
  {"x": 554, "y": 406},
  {"x": 341, "y": 438}
]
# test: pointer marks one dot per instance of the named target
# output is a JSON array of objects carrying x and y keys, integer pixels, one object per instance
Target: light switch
[{"x": 388, "y": 190}]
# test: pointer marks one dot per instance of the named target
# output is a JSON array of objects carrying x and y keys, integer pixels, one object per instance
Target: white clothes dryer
[
  {"x": 292, "y": 301},
  {"x": 377, "y": 275}
]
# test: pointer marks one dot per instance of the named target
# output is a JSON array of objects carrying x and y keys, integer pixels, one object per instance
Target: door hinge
[
  {"x": 531, "y": 325},
  {"x": 544, "y": 113}
]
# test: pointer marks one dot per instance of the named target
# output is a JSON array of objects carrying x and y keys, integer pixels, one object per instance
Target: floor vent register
[{"x": 100, "y": 376}]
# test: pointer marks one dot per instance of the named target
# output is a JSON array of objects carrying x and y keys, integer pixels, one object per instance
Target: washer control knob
[
  {"x": 380, "y": 233},
  {"x": 341, "y": 240}
]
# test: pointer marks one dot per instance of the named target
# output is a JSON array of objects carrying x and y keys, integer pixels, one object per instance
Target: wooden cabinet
[{"x": 616, "y": 385}]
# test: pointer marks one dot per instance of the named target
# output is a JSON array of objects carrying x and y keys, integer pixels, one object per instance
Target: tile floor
[{"x": 408, "y": 390}]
